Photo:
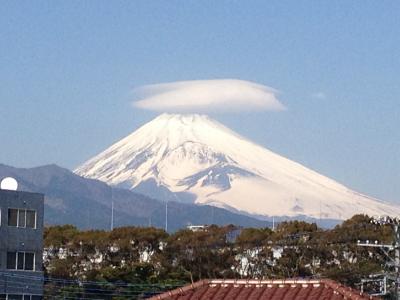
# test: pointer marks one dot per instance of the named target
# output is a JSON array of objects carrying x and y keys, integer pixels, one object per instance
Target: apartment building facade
[{"x": 21, "y": 245}]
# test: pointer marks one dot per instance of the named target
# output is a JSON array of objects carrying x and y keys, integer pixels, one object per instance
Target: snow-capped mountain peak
[{"x": 194, "y": 158}]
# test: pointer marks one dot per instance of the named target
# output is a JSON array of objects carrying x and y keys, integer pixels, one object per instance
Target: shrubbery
[{"x": 150, "y": 255}]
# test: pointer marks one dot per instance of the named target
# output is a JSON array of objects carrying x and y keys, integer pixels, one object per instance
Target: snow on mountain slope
[{"x": 197, "y": 156}]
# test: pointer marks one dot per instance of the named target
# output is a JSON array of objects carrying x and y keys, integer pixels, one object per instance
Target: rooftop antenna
[{"x": 9, "y": 183}]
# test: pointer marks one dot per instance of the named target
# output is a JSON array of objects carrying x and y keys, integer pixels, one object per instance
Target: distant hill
[{"x": 86, "y": 203}]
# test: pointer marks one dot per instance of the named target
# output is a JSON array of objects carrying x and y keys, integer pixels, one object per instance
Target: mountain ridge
[{"x": 86, "y": 203}]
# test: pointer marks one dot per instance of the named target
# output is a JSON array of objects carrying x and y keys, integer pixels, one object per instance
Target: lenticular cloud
[{"x": 207, "y": 96}]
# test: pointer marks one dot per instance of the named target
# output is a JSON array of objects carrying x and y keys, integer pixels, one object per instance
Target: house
[
  {"x": 294, "y": 289},
  {"x": 196, "y": 228}
]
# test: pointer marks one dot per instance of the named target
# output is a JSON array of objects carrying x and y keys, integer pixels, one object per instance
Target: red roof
[{"x": 288, "y": 289}]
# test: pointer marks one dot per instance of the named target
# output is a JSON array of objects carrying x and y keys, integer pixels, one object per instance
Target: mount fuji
[{"x": 193, "y": 158}]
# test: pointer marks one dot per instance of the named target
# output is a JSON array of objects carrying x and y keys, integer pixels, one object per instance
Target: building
[
  {"x": 231, "y": 235},
  {"x": 294, "y": 289},
  {"x": 21, "y": 244},
  {"x": 196, "y": 228}
]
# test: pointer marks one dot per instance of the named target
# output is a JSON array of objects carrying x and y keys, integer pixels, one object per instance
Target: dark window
[
  {"x": 20, "y": 260},
  {"x": 27, "y": 297},
  {"x": 29, "y": 261},
  {"x": 14, "y": 297},
  {"x": 3, "y": 296},
  {"x": 21, "y": 218},
  {"x": 37, "y": 297},
  {"x": 12, "y": 217},
  {"x": 31, "y": 218},
  {"x": 11, "y": 260}
]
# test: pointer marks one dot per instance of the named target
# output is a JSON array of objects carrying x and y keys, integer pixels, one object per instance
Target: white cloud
[
  {"x": 319, "y": 95},
  {"x": 207, "y": 96}
]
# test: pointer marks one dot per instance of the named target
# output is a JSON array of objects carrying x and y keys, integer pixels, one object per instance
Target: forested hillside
[{"x": 148, "y": 255}]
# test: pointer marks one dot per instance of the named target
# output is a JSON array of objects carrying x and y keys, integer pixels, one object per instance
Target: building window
[
  {"x": 12, "y": 217},
  {"x": 29, "y": 260},
  {"x": 20, "y": 297},
  {"x": 31, "y": 218},
  {"x": 21, "y": 261},
  {"x": 24, "y": 218},
  {"x": 11, "y": 260},
  {"x": 21, "y": 218}
]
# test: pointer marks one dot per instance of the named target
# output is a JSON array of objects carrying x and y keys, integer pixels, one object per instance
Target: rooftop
[{"x": 293, "y": 289}]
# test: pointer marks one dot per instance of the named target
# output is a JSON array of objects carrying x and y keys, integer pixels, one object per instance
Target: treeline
[{"x": 150, "y": 255}]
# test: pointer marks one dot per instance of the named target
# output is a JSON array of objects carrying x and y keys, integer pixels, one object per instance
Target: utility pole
[
  {"x": 386, "y": 249},
  {"x": 320, "y": 213},
  {"x": 397, "y": 256},
  {"x": 166, "y": 215},
  {"x": 112, "y": 215},
  {"x": 112, "y": 210}
]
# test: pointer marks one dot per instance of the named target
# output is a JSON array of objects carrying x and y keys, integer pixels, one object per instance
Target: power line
[
  {"x": 386, "y": 249},
  {"x": 73, "y": 289}
]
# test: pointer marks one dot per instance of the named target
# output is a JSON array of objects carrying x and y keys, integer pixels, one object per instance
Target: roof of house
[{"x": 293, "y": 289}]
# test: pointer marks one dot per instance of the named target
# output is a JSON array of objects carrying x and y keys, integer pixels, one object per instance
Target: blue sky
[{"x": 68, "y": 68}]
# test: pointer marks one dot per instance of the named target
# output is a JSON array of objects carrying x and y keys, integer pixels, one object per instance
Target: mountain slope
[
  {"x": 86, "y": 203},
  {"x": 196, "y": 159}
]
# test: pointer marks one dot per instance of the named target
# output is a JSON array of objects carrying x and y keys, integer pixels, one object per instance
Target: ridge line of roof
[{"x": 267, "y": 281}]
